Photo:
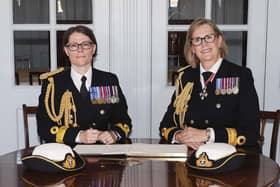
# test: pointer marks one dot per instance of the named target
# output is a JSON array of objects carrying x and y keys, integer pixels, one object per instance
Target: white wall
[
  {"x": 130, "y": 51},
  {"x": 11, "y": 97},
  {"x": 272, "y": 69}
]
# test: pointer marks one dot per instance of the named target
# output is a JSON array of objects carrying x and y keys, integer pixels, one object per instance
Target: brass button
[{"x": 218, "y": 105}]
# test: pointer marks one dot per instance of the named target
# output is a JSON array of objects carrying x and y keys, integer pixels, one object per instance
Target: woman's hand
[
  {"x": 89, "y": 136},
  {"x": 107, "y": 137},
  {"x": 191, "y": 137}
]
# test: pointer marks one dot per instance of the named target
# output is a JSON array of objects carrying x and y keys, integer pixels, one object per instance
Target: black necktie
[
  {"x": 206, "y": 75},
  {"x": 83, "y": 90}
]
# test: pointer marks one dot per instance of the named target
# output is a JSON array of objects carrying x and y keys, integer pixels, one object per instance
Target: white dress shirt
[
  {"x": 76, "y": 77},
  {"x": 213, "y": 69}
]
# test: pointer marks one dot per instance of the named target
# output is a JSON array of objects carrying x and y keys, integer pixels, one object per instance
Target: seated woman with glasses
[
  {"x": 215, "y": 100},
  {"x": 82, "y": 104}
]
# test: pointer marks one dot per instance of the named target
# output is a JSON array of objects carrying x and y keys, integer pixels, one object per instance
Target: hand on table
[{"x": 191, "y": 137}]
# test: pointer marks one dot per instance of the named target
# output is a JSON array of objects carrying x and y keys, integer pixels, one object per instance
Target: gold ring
[
  {"x": 241, "y": 140},
  {"x": 54, "y": 129}
]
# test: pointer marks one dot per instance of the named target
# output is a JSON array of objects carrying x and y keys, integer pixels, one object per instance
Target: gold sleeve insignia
[
  {"x": 241, "y": 140},
  {"x": 232, "y": 136},
  {"x": 124, "y": 128},
  {"x": 60, "y": 134},
  {"x": 54, "y": 129},
  {"x": 165, "y": 132},
  {"x": 233, "y": 139}
]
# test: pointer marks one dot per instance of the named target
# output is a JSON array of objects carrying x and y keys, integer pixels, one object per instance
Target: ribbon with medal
[
  {"x": 207, "y": 77},
  {"x": 227, "y": 86},
  {"x": 104, "y": 94}
]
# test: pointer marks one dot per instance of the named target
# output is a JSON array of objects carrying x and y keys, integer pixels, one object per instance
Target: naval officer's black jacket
[
  {"x": 83, "y": 113},
  {"x": 230, "y": 113}
]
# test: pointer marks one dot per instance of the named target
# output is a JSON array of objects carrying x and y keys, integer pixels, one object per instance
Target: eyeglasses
[
  {"x": 209, "y": 38},
  {"x": 75, "y": 46}
]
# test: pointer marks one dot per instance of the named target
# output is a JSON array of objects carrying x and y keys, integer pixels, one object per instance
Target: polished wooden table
[{"x": 257, "y": 170}]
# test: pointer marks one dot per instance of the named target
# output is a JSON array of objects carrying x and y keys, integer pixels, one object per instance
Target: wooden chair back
[
  {"x": 28, "y": 110},
  {"x": 269, "y": 117}
]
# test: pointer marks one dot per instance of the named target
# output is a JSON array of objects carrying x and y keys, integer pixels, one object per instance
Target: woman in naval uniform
[
  {"x": 215, "y": 100},
  {"x": 82, "y": 104}
]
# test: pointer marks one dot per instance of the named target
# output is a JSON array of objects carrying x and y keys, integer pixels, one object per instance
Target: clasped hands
[
  {"x": 191, "y": 137},
  {"x": 92, "y": 136}
]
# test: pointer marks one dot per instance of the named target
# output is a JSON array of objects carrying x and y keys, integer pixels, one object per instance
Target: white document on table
[{"x": 133, "y": 150}]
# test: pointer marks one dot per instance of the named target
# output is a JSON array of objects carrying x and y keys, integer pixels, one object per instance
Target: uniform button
[
  {"x": 218, "y": 105},
  {"x": 192, "y": 122},
  {"x": 102, "y": 112},
  {"x": 93, "y": 125},
  {"x": 206, "y": 121}
]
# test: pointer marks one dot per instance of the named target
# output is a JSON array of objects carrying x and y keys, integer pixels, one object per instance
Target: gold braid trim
[
  {"x": 67, "y": 109},
  {"x": 50, "y": 92},
  {"x": 49, "y": 74},
  {"x": 124, "y": 128},
  {"x": 183, "y": 68},
  {"x": 165, "y": 132},
  {"x": 182, "y": 99},
  {"x": 232, "y": 136},
  {"x": 66, "y": 104}
]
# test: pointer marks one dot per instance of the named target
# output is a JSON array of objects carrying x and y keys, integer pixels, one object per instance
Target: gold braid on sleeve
[
  {"x": 124, "y": 128},
  {"x": 182, "y": 99},
  {"x": 67, "y": 109}
]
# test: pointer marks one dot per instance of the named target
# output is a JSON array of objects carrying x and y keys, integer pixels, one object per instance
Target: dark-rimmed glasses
[
  {"x": 209, "y": 38},
  {"x": 75, "y": 46}
]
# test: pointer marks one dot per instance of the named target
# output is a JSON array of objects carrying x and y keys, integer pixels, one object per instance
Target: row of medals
[
  {"x": 104, "y": 94},
  {"x": 224, "y": 86}
]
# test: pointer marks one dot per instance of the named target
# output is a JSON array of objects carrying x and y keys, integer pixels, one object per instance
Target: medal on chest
[
  {"x": 227, "y": 86},
  {"x": 207, "y": 79},
  {"x": 104, "y": 94}
]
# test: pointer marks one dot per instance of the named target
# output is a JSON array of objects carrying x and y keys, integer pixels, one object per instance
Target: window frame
[
  {"x": 223, "y": 27},
  {"x": 52, "y": 27}
]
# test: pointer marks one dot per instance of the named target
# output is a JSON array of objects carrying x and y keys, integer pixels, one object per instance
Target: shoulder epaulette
[
  {"x": 183, "y": 68},
  {"x": 51, "y": 73}
]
